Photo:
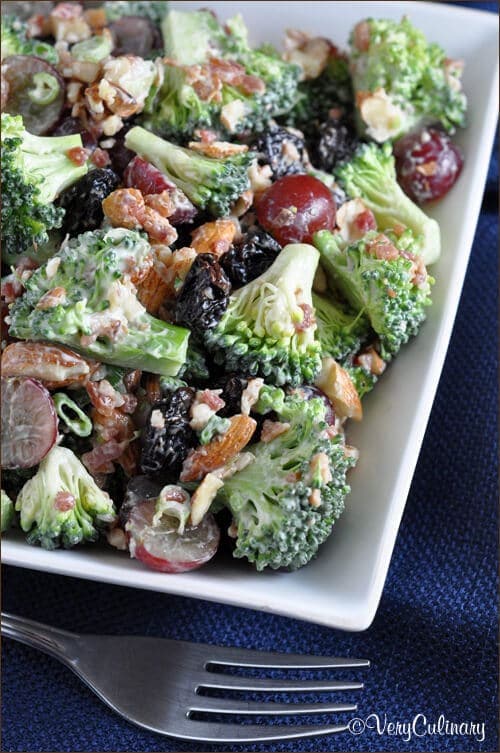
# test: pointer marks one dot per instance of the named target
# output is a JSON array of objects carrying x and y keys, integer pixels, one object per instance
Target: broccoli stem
[{"x": 46, "y": 157}]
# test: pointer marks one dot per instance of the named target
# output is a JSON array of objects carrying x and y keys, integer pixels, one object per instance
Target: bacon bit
[
  {"x": 100, "y": 459},
  {"x": 64, "y": 502},
  {"x": 100, "y": 158},
  {"x": 315, "y": 498},
  {"x": 78, "y": 155},
  {"x": 214, "y": 237},
  {"x": 158, "y": 228},
  {"x": 273, "y": 429},
  {"x": 211, "y": 398},
  {"x": 292, "y": 477},
  {"x": 371, "y": 361},
  {"x": 234, "y": 74},
  {"x": 398, "y": 229},
  {"x": 132, "y": 380},
  {"x": 362, "y": 36},
  {"x": 104, "y": 397},
  {"x": 382, "y": 248},
  {"x": 11, "y": 288},
  {"x": 52, "y": 298},
  {"x": 39, "y": 26},
  {"x": 308, "y": 319}
]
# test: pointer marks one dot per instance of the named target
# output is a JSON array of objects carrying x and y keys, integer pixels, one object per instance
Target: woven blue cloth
[{"x": 433, "y": 643}]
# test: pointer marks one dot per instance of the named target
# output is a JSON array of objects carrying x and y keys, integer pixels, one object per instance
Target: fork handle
[{"x": 57, "y": 643}]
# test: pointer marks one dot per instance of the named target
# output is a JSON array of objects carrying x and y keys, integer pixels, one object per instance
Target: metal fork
[{"x": 156, "y": 682}]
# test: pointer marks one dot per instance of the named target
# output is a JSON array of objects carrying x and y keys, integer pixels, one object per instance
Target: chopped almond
[{"x": 338, "y": 386}]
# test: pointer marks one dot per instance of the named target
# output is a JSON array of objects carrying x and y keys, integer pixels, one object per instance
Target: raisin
[
  {"x": 204, "y": 296},
  {"x": 335, "y": 143},
  {"x": 250, "y": 256},
  {"x": 83, "y": 200},
  {"x": 167, "y": 436},
  {"x": 283, "y": 150},
  {"x": 232, "y": 387}
]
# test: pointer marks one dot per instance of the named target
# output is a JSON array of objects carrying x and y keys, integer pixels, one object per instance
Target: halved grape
[
  {"x": 161, "y": 547},
  {"x": 35, "y": 90},
  {"x": 29, "y": 422}
]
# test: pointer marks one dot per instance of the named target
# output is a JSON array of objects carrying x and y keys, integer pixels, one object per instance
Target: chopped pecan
[
  {"x": 219, "y": 451},
  {"x": 153, "y": 291},
  {"x": 214, "y": 237},
  {"x": 217, "y": 149},
  {"x": 125, "y": 207}
]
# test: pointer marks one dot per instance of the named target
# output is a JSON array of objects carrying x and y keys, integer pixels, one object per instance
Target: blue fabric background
[{"x": 433, "y": 644}]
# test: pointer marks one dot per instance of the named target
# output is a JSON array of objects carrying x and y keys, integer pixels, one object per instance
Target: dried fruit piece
[
  {"x": 204, "y": 296},
  {"x": 220, "y": 450}
]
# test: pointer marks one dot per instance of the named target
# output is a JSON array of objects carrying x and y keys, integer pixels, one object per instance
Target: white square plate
[{"x": 342, "y": 587}]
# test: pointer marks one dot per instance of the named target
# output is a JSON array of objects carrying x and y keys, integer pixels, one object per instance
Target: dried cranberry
[
  {"x": 204, "y": 296},
  {"x": 167, "y": 437},
  {"x": 427, "y": 164},
  {"x": 145, "y": 177},
  {"x": 250, "y": 256}
]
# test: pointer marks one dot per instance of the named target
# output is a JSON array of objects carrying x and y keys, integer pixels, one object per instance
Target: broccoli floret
[
  {"x": 84, "y": 298},
  {"x": 341, "y": 332},
  {"x": 6, "y": 512},
  {"x": 377, "y": 276},
  {"x": 155, "y": 10},
  {"x": 371, "y": 175},
  {"x": 212, "y": 184},
  {"x": 286, "y": 501},
  {"x": 363, "y": 380},
  {"x": 268, "y": 328},
  {"x": 213, "y": 79},
  {"x": 15, "y": 41},
  {"x": 62, "y": 504},
  {"x": 332, "y": 89},
  {"x": 35, "y": 169},
  {"x": 402, "y": 80}
]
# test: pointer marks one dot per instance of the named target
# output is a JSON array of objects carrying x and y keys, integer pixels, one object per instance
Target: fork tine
[
  {"x": 235, "y": 682},
  {"x": 207, "y": 732},
  {"x": 236, "y": 657},
  {"x": 206, "y": 704}
]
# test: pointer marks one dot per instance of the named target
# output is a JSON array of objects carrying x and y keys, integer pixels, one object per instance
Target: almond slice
[
  {"x": 338, "y": 386},
  {"x": 53, "y": 365},
  {"x": 203, "y": 497},
  {"x": 219, "y": 451}
]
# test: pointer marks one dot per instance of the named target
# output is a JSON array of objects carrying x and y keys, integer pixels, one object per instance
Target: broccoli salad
[{"x": 211, "y": 252}]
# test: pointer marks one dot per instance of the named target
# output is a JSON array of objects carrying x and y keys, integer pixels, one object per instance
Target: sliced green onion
[
  {"x": 92, "y": 50},
  {"x": 82, "y": 425},
  {"x": 46, "y": 89}
]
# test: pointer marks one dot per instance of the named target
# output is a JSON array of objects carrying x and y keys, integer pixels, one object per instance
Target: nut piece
[
  {"x": 220, "y": 450},
  {"x": 203, "y": 497},
  {"x": 337, "y": 385},
  {"x": 152, "y": 292},
  {"x": 217, "y": 149},
  {"x": 53, "y": 365},
  {"x": 214, "y": 237}
]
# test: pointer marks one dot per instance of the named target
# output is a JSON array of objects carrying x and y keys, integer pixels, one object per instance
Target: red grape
[
  {"x": 296, "y": 207},
  {"x": 427, "y": 163},
  {"x": 29, "y": 422},
  {"x": 161, "y": 548}
]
